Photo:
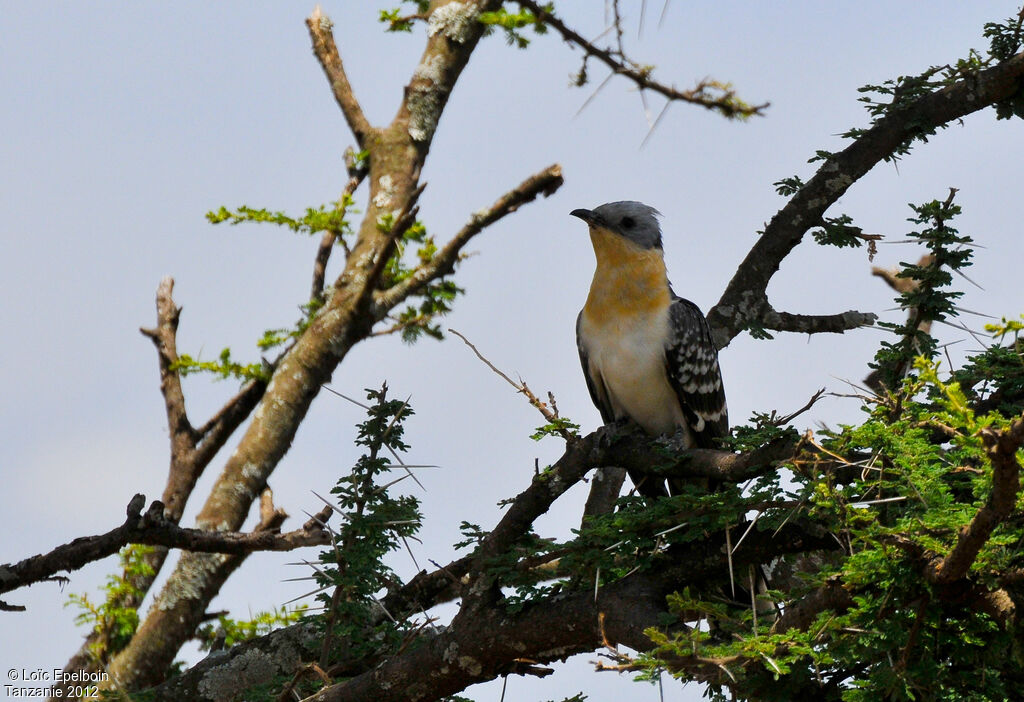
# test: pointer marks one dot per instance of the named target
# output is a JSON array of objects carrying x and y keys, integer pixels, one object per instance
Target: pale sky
[{"x": 123, "y": 123}]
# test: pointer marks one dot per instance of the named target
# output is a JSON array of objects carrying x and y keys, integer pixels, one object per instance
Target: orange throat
[{"x": 629, "y": 281}]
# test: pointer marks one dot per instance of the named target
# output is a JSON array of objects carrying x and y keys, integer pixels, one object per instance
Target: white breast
[{"x": 627, "y": 356}]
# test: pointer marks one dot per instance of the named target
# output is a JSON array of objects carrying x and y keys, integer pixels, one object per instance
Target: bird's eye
[{"x": 628, "y": 222}]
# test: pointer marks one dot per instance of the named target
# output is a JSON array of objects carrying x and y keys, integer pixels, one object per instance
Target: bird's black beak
[{"x": 587, "y": 216}]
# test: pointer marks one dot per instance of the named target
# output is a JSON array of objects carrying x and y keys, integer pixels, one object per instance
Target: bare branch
[
  {"x": 330, "y": 238},
  {"x": 544, "y": 183},
  {"x": 191, "y": 451},
  {"x": 215, "y": 432},
  {"x": 326, "y": 51},
  {"x": 743, "y": 300},
  {"x": 550, "y": 415},
  {"x": 164, "y": 337},
  {"x": 708, "y": 94},
  {"x": 786, "y": 419},
  {"x": 816, "y": 324},
  {"x": 153, "y": 529}
]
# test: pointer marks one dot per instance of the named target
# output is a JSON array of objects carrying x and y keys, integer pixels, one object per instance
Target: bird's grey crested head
[{"x": 632, "y": 220}]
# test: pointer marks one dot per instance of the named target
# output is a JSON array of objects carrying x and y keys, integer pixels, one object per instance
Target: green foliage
[
  {"x": 839, "y": 231},
  {"x": 556, "y": 428},
  {"x": 892, "y": 492},
  {"x": 930, "y": 299},
  {"x": 373, "y": 524},
  {"x": 892, "y": 96},
  {"x": 820, "y": 155},
  {"x": 512, "y": 22},
  {"x": 757, "y": 331},
  {"x": 1007, "y": 327},
  {"x": 994, "y": 379},
  {"x": 228, "y": 632},
  {"x": 273, "y": 338},
  {"x": 316, "y": 219},
  {"x": 435, "y": 296},
  {"x": 112, "y": 620},
  {"x": 399, "y": 20},
  {"x": 472, "y": 535},
  {"x": 762, "y": 429},
  {"x": 788, "y": 186},
  {"x": 1005, "y": 40},
  {"x": 224, "y": 367}
]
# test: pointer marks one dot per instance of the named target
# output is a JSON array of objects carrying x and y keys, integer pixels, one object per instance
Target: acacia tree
[{"x": 890, "y": 544}]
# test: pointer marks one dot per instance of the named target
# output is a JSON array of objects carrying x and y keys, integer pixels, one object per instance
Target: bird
[{"x": 647, "y": 354}]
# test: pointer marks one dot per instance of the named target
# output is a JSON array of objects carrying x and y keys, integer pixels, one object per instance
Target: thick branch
[
  {"x": 326, "y": 52},
  {"x": 396, "y": 157},
  {"x": 153, "y": 529},
  {"x": 801, "y": 614},
  {"x": 579, "y": 457},
  {"x": 741, "y": 303},
  {"x": 670, "y": 458},
  {"x": 1001, "y": 447},
  {"x": 478, "y": 648},
  {"x": 627, "y": 606},
  {"x": 443, "y": 263}
]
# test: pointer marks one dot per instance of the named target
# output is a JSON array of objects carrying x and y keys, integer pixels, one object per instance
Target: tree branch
[
  {"x": 164, "y": 337},
  {"x": 801, "y": 614},
  {"x": 722, "y": 100},
  {"x": 153, "y": 529},
  {"x": 1001, "y": 447},
  {"x": 356, "y": 175},
  {"x": 544, "y": 182},
  {"x": 742, "y": 302},
  {"x": 219, "y": 428},
  {"x": 670, "y": 458},
  {"x": 480, "y": 647},
  {"x": 816, "y": 324},
  {"x": 396, "y": 156},
  {"x": 326, "y": 52},
  {"x": 191, "y": 451}
]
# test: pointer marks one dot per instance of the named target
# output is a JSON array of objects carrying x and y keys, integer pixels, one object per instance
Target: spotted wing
[{"x": 691, "y": 362}]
